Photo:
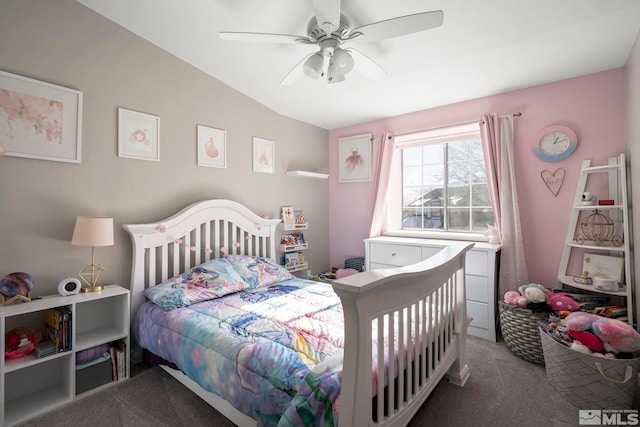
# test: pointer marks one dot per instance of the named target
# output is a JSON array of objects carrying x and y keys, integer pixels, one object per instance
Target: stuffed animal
[
  {"x": 561, "y": 301},
  {"x": 578, "y": 346},
  {"x": 620, "y": 335},
  {"x": 514, "y": 298},
  {"x": 616, "y": 336},
  {"x": 588, "y": 339},
  {"x": 534, "y": 292},
  {"x": 580, "y": 321}
]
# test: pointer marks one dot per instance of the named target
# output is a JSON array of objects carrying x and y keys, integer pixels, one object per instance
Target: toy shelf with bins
[{"x": 32, "y": 386}]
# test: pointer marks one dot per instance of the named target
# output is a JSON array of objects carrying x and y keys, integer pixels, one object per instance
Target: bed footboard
[{"x": 422, "y": 309}]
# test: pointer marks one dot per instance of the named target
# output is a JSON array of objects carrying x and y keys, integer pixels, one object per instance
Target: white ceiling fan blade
[
  {"x": 399, "y": 26},
  {"x": 264, "y": 37},
  {"x": 327, "y": 14},
  {"x": 367, "y": 66}
]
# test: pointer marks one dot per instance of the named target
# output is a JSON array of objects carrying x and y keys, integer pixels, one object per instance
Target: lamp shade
[
  {"x": 313, "y": 65},
  {"x": 93, "y": 231},
  {"x": 342, "y": 61}
]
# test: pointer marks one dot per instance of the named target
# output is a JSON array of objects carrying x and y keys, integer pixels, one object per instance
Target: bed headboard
[{"x": 198, "y": 233}]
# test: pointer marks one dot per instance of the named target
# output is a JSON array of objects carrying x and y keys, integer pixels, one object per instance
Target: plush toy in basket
[
  {"x": 590, "y": 333},
  {"x": 592, "y": 361},
  {"x": 520, "y": 313}
]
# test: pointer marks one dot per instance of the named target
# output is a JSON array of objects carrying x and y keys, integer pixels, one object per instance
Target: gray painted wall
[{"x": 64, "y": 43}]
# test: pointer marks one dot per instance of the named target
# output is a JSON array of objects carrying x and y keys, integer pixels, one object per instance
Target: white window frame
[{"x": 394, "y": 207}]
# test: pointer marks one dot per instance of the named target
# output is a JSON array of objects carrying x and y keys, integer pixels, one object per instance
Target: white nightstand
[{"x": 30, "y": 386}]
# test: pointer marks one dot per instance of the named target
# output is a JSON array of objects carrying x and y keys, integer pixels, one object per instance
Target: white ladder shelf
[{"x": 618, "y": 212}]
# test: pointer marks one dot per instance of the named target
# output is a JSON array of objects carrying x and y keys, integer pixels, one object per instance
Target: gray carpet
[{"x": 503, "y": 390}]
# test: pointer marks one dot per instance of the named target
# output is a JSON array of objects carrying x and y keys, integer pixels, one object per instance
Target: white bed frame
[{"x": 425, "y": 301}]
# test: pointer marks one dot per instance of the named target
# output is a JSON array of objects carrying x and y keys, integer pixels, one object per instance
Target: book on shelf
[
  {"x": 294, "y": 239},
  {"x": 114, "y": 368},
  {"x": 121, "y": 360},
  {"x": 58, "y": 327},
  {"x": 118, "y": 354},
  {"x": 613, "y": 312},
  {"x": 44, "y": 348}
]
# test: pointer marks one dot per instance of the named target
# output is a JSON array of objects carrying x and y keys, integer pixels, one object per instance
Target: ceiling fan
[{"x": 329, "y": 29}]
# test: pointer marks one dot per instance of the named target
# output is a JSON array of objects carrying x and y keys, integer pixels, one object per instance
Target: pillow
[
  {"x": 213, "y": 279},
  {"x": 258, "y": 271}
]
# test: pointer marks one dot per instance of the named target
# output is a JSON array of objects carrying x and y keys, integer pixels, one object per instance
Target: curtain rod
[{"x": 518, "y": 114}]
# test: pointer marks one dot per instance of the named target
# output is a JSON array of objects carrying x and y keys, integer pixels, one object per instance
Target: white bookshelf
[{"x": 30, "y": 386}]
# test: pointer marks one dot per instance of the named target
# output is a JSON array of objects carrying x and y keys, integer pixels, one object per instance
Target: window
[{"x": 444, "y": 181}]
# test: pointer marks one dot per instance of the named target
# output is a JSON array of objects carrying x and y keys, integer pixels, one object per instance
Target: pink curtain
[
  {"x": 497, "y": 144},
  {"x": 381, "y": 187}
]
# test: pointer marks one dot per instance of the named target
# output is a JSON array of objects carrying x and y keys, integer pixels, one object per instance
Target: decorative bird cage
[{"x": 599, "y": 229}]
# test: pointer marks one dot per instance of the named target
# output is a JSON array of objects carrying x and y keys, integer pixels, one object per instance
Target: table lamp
[{"x": 92, "y": 231}]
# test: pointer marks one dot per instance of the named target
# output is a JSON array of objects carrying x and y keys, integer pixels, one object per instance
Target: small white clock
[{"x": 555, "y": 143}]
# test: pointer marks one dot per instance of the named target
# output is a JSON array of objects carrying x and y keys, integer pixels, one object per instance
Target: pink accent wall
[{"x": 593, "y": 106}]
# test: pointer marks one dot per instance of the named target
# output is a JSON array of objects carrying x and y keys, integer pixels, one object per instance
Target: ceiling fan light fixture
[
  {"x": 333, "y": 76},
  {"x": 313, "y": 65},
  {"x": 342, "y": 61}
]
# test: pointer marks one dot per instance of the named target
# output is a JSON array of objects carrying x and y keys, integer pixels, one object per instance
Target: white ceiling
[{"x": 483, "y": 48}]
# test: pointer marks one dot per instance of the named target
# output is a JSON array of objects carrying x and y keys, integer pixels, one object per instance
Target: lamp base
[{"x": 96, "y": 288}]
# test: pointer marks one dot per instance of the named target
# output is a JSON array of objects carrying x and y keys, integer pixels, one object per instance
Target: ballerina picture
[{"x": 355, "y": 158}]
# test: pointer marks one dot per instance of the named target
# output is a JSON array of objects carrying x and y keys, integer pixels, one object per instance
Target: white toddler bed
[{"x": 420, "y": 303}]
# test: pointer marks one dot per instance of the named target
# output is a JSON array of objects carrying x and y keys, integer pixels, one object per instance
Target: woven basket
[{"x": 519, "y": 328}]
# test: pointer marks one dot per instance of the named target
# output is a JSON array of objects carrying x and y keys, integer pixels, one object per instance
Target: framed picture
[
  {"x": 354, "y": 158},
  {"x": 212, "y": 147},
  {"x": 610, "y": 267},
  {"x": 39, "y": 120},
  {"x": 138, "y": 135},
  {"x": 263, "y": 158},
  {"x": 288, "y": 217}
]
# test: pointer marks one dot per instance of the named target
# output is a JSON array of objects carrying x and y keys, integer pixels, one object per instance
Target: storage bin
[
  {"x": 519, "y": 328},
  {"x": 587, "y": 381},
  {"x": 93, "y": 374}
]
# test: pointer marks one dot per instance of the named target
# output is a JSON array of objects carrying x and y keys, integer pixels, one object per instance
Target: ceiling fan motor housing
[{"x": 315, "y": 32}]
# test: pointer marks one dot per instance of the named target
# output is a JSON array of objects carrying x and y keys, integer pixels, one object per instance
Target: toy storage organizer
[{"x": 587, "y": 381}]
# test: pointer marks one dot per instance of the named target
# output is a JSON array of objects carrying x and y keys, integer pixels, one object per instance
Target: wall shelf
[{"x": 308, "y": 174}]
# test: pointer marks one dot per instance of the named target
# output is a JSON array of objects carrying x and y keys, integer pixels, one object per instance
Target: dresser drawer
[
  {"x": 476, "y": 263},
  {"x": 395, "y": 255},
  {"x": 477, "y": 288},
  {"x": 480, "y": 315}
]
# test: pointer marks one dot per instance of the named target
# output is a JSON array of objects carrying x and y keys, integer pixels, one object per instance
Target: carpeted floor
[{"x": 503, "y": 390}]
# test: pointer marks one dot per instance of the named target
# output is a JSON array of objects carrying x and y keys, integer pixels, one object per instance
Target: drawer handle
[{"x": 393, "y": 254}]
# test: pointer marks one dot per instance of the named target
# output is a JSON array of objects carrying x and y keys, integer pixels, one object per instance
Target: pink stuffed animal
[
  {"x": 616, "y": 336},
  {"x": 514, "y": 298},
  {"x": 580, "y": 321},
  {"x": 561, "y": 301},
  {"x": 620, "y": 335}
]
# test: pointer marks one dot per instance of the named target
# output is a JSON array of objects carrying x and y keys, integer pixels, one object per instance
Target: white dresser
[{"x": 481, "y": 273}]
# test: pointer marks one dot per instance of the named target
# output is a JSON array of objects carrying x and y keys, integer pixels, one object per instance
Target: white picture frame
[
  {"x": 40, "y": 120},
  {"x": 212, "y": 147},
  {"x": 610, "y": 267},
  {"x": 138, "y": 135},
  {"x": 263, "y": 155},
  {"x": 354, "y": 158},
  {"x": 288, "y": 217}
]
